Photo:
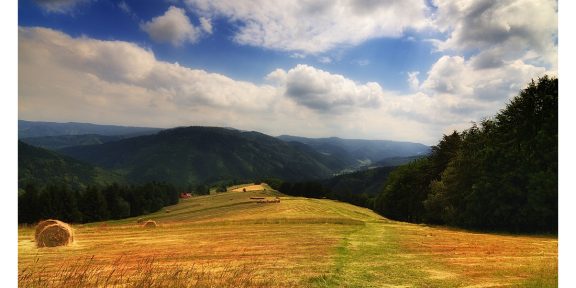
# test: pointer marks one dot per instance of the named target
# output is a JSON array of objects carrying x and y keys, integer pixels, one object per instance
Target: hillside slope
[
  {"x": 193, "y": 155},
  {"x": 41, "y": 166},
  {"x": 231, "y": 240}
]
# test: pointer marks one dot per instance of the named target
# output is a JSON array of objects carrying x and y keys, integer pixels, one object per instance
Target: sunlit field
[{"x": 231, "y": 240}]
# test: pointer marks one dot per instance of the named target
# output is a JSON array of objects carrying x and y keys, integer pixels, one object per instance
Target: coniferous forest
[
  {"x": 500, "y": 174},
  {"x": 93, "y": 203}
]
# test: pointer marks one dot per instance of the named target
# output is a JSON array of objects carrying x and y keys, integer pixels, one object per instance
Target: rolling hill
[
  {"x": 231, "y": 240},
  {"x": 41, "y": 166},
  {"x": 193, "y": 155}
]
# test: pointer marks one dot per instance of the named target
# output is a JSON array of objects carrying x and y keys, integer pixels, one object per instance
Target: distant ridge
[
  {"x": 193, "y": 155},
  {"x": 63, "y": 141},
  {"x": 27, "y": 129},
  {"x": 365, "y": 152}
]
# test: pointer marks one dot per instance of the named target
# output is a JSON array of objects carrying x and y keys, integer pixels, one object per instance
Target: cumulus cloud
[
  {"x": 174, "y": 27},
  {"x": 315, "y": 26},
  {"x": 59, "y": 6},
  {"x": 62, "y": 78},
  {"x": 466, "y": 91},
  {"x": 499, "y": 45},
  {"x": 102, "y": 77},
  {"x": 503, "y": 31},
  {"x": 123, "y": 83},
  {"x": 325, "y": 92}
]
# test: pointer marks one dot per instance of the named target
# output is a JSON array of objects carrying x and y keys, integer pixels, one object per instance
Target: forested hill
[
  {"x": 40, "y": 167},
  {"x": 500, "y": 174},
  {"x": 193, "y": 155}
]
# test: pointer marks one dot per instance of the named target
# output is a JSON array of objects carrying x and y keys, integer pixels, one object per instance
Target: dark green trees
[
  {"x": 93, "y": 203},
  {"x": 395, "y": 202},
  {"x": 499, "y": 175}
]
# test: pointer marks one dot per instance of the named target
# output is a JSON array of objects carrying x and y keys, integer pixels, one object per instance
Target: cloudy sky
[{"x": 375, "y": 69}]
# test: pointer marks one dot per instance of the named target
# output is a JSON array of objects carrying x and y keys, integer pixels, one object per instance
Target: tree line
[
  {"x": 93, "y": 203},
  {"x": 498, "y": 175},
  {"x": 315, "y": 189},
  {"x": 501, "y": 174}
]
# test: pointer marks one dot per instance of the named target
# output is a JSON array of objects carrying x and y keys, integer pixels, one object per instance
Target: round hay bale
[
  {"x": 140, "y": 221},
  {"x": 150, "y": 224},
  {"x": 59, "y": 234},
  {"x": 42, "y": 224}
]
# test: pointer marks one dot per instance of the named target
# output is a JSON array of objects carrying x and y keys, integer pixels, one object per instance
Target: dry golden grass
[
  {"x": 486, "y": 258},
  {"x": 250, "y": 187},
  {"x": 227, "y": 240}
]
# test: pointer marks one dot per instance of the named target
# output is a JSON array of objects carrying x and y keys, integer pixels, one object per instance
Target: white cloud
[
  {"x": 361, "y": 62},
  {"x": 503, "y": 31},
  {"x": 507, "y": 43},
  {"x": 467, "y": 92},
  {"x": 313, "y": 27},
  {"x": 128, "y": 10},
  {"x": 124, "y": 7},
  {"x": 119, "y": 81},
  {"x": 325, "y": 92},
  {"x": 325, "y": 60},
  {"x": 297, "y": 55},
  {"x": 62, "y": 78},
  {"x": 59, "y": 6},
  {"x": 173, "y": 27},
  {"x": 413, "y": 80},
  {"x": 206, "y": 25}
]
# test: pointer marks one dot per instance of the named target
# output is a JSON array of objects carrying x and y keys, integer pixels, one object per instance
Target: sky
[{"x": 405, "y": 70}]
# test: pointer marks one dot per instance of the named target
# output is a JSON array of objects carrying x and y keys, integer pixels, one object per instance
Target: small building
[{"x": 185, "y": 195}]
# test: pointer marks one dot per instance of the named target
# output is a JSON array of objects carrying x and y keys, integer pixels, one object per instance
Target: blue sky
[{"x": 402, "y": 70}]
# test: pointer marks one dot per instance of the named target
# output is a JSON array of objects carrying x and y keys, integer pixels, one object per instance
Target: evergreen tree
[
  {"x": 28, "y": 204},
  {"x": 94, "y": 205},
  {"x": 499, "y": 175}
]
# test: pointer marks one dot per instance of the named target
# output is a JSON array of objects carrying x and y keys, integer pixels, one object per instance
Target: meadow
[{"x": 230, "y": 240}]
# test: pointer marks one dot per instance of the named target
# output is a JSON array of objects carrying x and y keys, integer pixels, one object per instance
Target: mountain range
[
  {"x": 362, "y": 152},
  {"x": 194, "y": 155}
]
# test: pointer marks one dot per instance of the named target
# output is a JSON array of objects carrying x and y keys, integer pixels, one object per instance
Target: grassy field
[{"x": 230, "y": 240}]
